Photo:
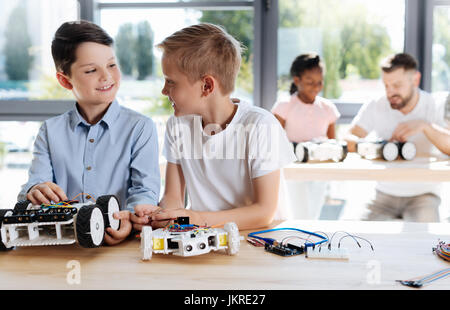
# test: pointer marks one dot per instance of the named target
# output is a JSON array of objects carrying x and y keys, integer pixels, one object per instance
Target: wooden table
[
  {"x": 402, "y": 251},
  {"x": 420, "y": 169}
]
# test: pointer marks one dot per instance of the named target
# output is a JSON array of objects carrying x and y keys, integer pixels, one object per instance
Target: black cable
[
  {"x": 339, "y": 243},
  {"x": 341, "y": 231}
]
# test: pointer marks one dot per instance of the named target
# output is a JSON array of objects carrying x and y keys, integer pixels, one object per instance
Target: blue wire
[{"x": 271, "y": 240}]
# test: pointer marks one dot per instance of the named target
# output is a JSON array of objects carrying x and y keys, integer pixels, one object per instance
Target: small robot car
[
  {"x": 184, "y": 239},
  {"x": 321, "y": 151},
  {"x": 58, "y": 224},
  {"x": 386, "y": 150}
]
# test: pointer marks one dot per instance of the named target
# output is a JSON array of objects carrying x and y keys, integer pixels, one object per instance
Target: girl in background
[{"x": 306, "y": 116}]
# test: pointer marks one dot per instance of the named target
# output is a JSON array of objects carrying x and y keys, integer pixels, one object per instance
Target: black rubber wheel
[
  {"x": 2, "y": 214},
  {"x": 344, "y": 151},
  {"x": 109, "y": 204},
  {"x": 90, "y": 226},
  {"x": 21, "y": 206},
  {"x": 306, "y": 157}
]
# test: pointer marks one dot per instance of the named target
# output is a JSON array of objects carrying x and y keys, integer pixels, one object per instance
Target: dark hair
[
  {"x": 402, "y": 60},
  {"x": 304, "y": 63},
  {"x": 69, "y": 36}
]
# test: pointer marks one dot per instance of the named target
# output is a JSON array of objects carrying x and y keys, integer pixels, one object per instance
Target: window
[
  {"x": 26, "y": 66},
  {"x": 137, "y": 30},
  {"x": 351, "y": 36},
  {"x": 440, "y": 75},
  {"x": 16, "y": 144}
]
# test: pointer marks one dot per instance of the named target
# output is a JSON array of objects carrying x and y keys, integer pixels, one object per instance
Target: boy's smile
[
  {"x": 184, "y": 95},
  {"x": 95, "y": 75}
]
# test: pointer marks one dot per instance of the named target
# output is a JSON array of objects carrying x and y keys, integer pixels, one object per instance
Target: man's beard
[{"x": 404, "y": 102}]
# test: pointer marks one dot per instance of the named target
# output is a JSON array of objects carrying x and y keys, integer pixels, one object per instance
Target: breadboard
[{"x": 325, "y": 253}]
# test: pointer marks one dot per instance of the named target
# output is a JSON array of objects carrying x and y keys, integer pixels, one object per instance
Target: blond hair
[{"x": 205, "y": 49}]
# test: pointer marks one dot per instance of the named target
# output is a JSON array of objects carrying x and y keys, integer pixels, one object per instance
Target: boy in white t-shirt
[
  {"x": 406, "y": 113},
  {"x": 226, "y": 154}
]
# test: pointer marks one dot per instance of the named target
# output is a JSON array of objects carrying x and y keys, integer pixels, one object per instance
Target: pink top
[{"x": 305, "y": 122}]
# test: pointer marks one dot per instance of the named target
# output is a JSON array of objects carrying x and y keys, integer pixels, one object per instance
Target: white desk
[{"x": 402, "y": 251}]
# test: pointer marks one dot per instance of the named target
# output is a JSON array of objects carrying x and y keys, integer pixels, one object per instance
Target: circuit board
[{"x": 284, "y": 250}]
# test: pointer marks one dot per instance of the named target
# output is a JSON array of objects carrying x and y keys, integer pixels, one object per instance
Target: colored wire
[
  {"x": 88, "y": 196},
  {"x": 339, "y": 243},
  {"x": 271, "y": 240},
  {"x": 341, "y": 231},
  {"x": 427, "y": 279},
  {"x": 325, "y": 234},
  {"x": 285, "y": 239},
  {"x": 442, "y": 250}
]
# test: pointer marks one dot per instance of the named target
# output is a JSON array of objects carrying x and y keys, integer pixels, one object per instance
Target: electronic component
[
  {"x": 284, "y": 250},
  {"x": 273, "y": 242},
  {"x": 327, "y": 253}
]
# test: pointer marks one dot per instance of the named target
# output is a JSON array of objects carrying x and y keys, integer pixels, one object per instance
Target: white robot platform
[
  {"x": 386, "y": 150},
  {"x": 189, "y": 240},
  {"x": 321, "y": 150},
  {"x": 63, "y": 223}
]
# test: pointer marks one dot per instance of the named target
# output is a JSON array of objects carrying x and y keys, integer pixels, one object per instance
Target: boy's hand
[
  {"x": 112, "y": 236},
  {"x": 162, "y": 218},
  {"x": 142, "y": 214},
  {"x": 46, "y": 193}
]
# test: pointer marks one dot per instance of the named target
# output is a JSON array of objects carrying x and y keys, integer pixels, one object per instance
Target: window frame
[{"x": 418, "y": 42}]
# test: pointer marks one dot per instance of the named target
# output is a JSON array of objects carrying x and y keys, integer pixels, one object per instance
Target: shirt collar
[{"x": 109, "y": 118}]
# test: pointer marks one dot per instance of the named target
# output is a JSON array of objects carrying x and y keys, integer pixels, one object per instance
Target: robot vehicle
[
  {"x": 63, "y": 223},
  {"x": 321, "y": 150},
  {"x": 386, "y": 150},
  {"x": 184, "y": 239}
]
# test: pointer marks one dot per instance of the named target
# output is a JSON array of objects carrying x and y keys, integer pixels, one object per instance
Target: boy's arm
[
  {"x": 173, "y": 197},
  {"x": 174, "y": 189},
  {"x": 144, "y": 169},
  {"x": 258, "y": 214},
  {"x": 40, "y": 187}
]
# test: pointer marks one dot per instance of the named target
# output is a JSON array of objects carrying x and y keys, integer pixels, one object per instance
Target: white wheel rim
[
  {"x": 113, "y": 206},
  {"x": 97, "y": 226},
  {"x": 300, "y": 152},
  {"x": 408, "y": 151},
  {"x": 390, "y": 151}
]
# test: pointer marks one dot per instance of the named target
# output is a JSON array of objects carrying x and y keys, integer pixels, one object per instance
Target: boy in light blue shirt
[{"x": 98, "y": 147}]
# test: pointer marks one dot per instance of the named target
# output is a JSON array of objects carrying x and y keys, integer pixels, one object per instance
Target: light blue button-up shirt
[{"x": 117, "y": 156}]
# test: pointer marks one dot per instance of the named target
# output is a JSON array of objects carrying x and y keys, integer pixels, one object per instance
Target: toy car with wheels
[
  {"x": 321, "y": 150},
  {"x": 183, "y": 239},
  {"x": 386, "y": 150},
  {"x": 63, "y": 223}
]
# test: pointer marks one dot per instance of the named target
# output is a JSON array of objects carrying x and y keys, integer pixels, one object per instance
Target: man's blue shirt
[{"x": 118, "y": 155}]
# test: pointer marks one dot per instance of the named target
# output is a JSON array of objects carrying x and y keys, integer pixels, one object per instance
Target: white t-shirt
[
  {"x": 219, "y": 169},
  {"x": 379, "y": 120}
]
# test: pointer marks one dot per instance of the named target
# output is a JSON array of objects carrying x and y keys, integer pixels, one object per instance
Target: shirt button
[
  {"x": 91, "y": 140},
  {"x": 88, "y": 168}
]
